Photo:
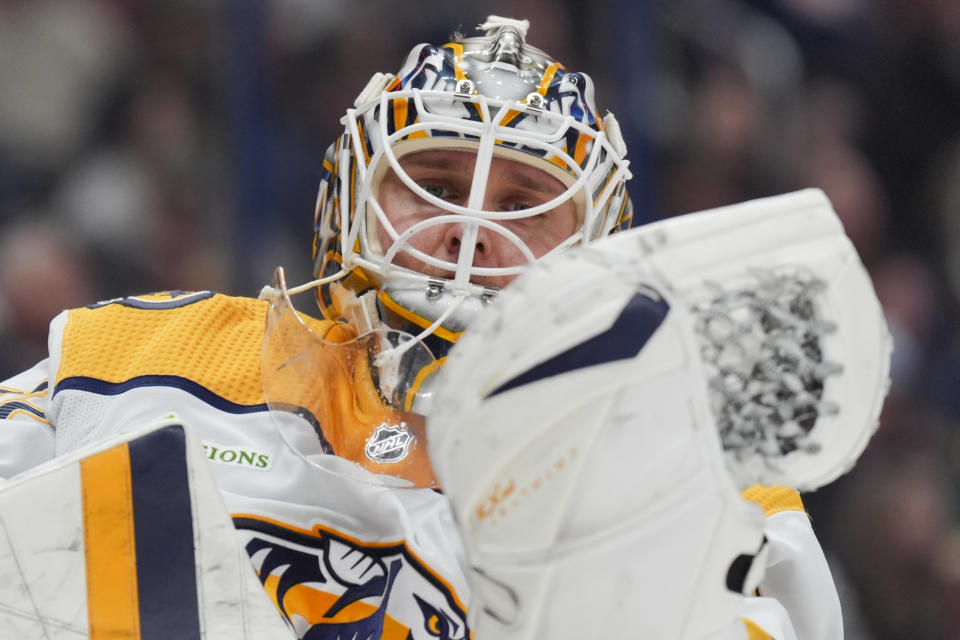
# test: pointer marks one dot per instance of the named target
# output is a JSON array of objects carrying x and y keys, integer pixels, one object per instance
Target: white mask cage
[{"x": 496, "y": 98}]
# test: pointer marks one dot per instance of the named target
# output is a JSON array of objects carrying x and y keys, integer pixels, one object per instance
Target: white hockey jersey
[{"x": 339, "y": 558}]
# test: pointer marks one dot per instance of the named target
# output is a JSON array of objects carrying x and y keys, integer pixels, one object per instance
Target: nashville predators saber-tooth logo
[{"x": 330, "y": 588}]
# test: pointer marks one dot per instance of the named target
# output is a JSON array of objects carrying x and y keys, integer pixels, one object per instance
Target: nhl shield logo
[{"x": 389, "y": 443}]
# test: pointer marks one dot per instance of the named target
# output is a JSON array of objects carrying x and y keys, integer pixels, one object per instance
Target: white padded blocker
[
  {"x": 546, "y": 477},
  {"x": 486, "y": 451}
]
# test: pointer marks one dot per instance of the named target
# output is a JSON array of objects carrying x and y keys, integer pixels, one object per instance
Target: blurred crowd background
[{"x": 176, "y": 145}]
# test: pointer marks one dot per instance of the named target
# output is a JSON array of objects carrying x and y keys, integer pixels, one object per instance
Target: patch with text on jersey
[
  {"x": 237, "y": 456},
  {"x": 330, "y": 586}
]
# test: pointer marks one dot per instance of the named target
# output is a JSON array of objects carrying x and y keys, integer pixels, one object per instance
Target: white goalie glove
[{"x": 593, "y": 428}]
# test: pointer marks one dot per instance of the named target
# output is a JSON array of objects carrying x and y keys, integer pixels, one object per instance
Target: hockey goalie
[{"x": 514, "y": 418}]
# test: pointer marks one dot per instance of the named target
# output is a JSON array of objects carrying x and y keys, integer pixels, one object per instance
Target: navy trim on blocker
[
  {"x": 163, "y": 530},
  {"x": 637, "y": 322}
]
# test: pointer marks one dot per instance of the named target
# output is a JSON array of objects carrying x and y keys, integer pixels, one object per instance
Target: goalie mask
[{"x": 482, "y": 109}]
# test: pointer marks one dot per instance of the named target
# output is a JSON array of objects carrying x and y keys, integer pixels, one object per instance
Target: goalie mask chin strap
[{"x": 368, "y": 319}]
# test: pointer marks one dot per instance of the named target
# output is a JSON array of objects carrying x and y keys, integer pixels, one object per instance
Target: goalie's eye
[
  {"x": 437, "y": 191},
  {"x": 517, "y": 206}
]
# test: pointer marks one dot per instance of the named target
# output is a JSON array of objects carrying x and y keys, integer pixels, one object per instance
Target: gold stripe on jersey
[
  {"x": 5, "y": 390},
  {"x": 31, "y": 412},
  {"x": 23, "y": 394},
  {"x": 15, "y": 403},
  {"x": 112, "y": 602},
  {"x": 213, "y": 342},
  {"x": 754, "y": 632},
  {"x": 774, "y": 499}
]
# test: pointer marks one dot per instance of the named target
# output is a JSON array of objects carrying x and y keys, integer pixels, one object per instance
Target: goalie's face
[{"x": 511, "y": 188}]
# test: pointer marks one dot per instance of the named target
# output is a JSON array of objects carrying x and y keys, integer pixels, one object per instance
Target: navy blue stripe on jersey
[
  {"x": 104, "y": 388},
  {"x": 637, "y": 322},
  {"x": 177, "y": 299},
  {"x": 163, "y": 530},
  {"x": 13, "y": 405},
  {"x": 6, "y": 391},
  {"x": 10, "y": 390}
]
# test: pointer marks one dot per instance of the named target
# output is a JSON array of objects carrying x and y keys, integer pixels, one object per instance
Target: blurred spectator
[
  {"x": 907, "y": 290},
  {"x": 57, "y": 60},
  {"x": 944, "y": 190},
  {"x": 857, "y": 195},
  {"x": 895, "y": 532},
  {"x": 42, "y": 271},
  {"x": 148, "y": 204}
]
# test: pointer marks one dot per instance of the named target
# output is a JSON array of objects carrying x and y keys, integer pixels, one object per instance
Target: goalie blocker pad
[
  {"x": 127, "y": 539},
  {"x": 581, "y": 426}
]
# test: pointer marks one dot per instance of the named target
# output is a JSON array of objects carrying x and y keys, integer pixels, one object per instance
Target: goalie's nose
[{"x": 489, "y": 249}]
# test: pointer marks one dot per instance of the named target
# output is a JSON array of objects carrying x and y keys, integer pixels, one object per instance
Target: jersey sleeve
[
  {"x": 26, "y": 435},
  {"x": 797, "y": 575},
  {"x": 767, "y": 619}
]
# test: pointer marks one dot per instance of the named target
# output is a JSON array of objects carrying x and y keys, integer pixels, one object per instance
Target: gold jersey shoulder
[
  {"x": 191, "y": 339},
  {"x": 774, "y": 498}
]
